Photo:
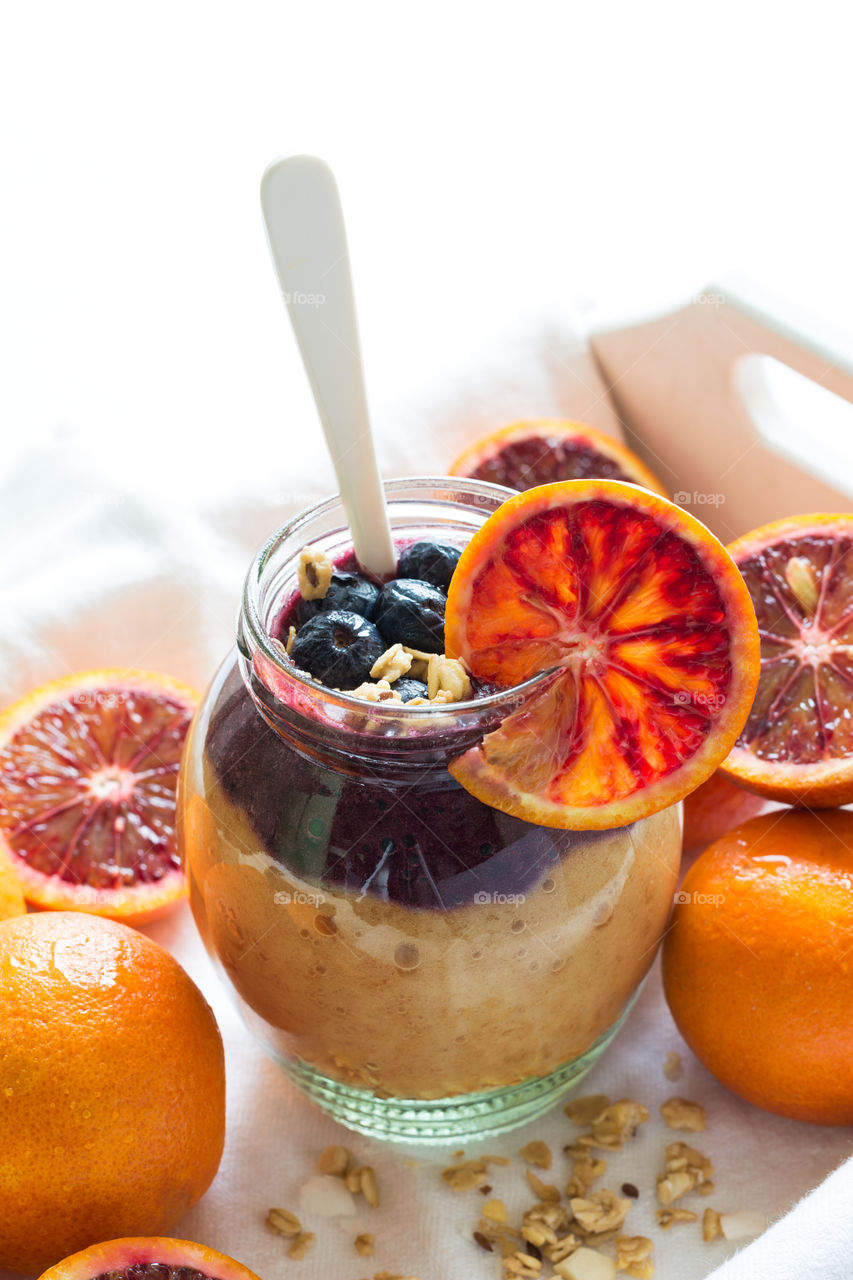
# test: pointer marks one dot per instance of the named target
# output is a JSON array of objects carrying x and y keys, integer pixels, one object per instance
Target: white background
[{"x": 499, "y": 169}]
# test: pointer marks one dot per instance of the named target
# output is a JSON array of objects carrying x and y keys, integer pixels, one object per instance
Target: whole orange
[
  {"x": 758, "y": 966},
  {"x": 112, "y": 1087}
]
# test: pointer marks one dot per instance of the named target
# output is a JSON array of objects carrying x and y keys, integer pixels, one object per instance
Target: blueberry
[
  {"x": 338, "y": 648},
  {"x": 409, "y": 688},
  {"x": 346, "y": 591},
  {"x": 430, "y": 561},
  {"x": 411, "y": 612}
]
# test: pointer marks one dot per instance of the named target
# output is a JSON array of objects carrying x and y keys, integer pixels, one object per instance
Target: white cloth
[{"x": 101, "y": 565}]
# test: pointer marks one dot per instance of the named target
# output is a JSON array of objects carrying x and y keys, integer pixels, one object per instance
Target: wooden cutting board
[{"x": 691, "y": 394}]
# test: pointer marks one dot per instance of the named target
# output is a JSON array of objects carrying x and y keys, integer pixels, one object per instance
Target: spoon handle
[{"x": 307, "y": 239}]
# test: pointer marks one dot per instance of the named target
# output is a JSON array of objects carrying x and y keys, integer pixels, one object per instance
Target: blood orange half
[
  {"x": 88, "y": 769},
  {"x": 797, "y": 745},
  {"x": 543, "y": 450},
  {"x": 649, "y": 635},
  {"x": 149, "y": 1258},
  {"x": 11, "y": 890}
]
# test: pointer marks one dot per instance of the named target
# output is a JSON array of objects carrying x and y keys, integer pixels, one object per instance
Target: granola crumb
[
  {"x": 471, "y": 1173},
  {"x": 544, "y": 1190},
  {"x": 537, "y": 1153},
  {"x": 495, "y": 1211},
  {"x": 668, "y": 1217},
  {"x": 334, "y": 1161},
  {"x": 674, "y": 1185},
  {"x": 379, "y": 692},
  {"x": 314, "y": 573},
  {"x": 586, "y": 1110},
  {"x": 711, "y": 1228},
  {"x": 506, "y": 1238},
  {"x": 303, "y": 1244},
  {"x": 615, "y": 1125},
  {"x": 420, "y": 662},
  {"x": 284, "y": 1222},
  {"x": 521, "y": 1266},
  {"x": 447, "y": 677},
  {"x": 562, "y": 1248},
  {"x": 368, "y": 1186},
  {"x": 392, "y": 664},
  {"x": 291, "y": 636},
  {"x": 442, "y": 698},
  {"x": 634, "y": 1255},
  {"x": 686, "y": 1170},
  {"x": 599, "y": 1212},
  {"x": 586, "y": 1169},
  {"x": 364, "y": 1244},
  {"x": 673, "y": 1067},
  {"x": 538, "y": 1235},
  {"x": 545, "y": 1223},
  {"x": 463, "y": 1177},
  {"x": 689, "y": 1117},
  {"x": 483, "y": 1241}
]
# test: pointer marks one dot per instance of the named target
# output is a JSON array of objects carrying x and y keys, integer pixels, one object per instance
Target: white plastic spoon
[{"x": 307, "y": 240}]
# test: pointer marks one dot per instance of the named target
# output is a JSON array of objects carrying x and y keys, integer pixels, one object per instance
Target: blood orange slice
[
  {"x": 88, "y": 769},
  {"x": 149, "y": 1258},
  {"x": 797, "y": 744},
  {"x": 648, "y": 633},
  {"x": 543, "y": 450}
]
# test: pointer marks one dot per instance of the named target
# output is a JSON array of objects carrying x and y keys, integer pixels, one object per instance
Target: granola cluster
[
  {"x": 561, "y": 1233},
  {"x": 339, "y": 1164},
  {"x": 375, "y": 677},
  {"x": 577, "y": 1233},
  {"x": 314, "y": 573},
  {"x": 580, "y": 1233},
  {"x": 686, "y": 1170},
  {"x": 446, "y": 678}
]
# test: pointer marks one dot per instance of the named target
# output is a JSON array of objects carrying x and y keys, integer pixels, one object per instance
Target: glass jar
[{"x": 421, "y": 965}]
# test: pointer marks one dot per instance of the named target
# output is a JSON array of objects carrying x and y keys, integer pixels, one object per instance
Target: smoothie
[
  {"x": 389, "y": 935},
  {"x": 403, "y": 935}
]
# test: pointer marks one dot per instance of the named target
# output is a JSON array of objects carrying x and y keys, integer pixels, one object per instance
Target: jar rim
[{"x": 482, "y": 491}]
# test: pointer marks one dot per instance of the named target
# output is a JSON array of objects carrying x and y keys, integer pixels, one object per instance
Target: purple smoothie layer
[{"x": 430, "y": 846}]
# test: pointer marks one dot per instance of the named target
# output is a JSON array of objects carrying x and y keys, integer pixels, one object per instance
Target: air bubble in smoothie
[{"x": 407, "y": 956}]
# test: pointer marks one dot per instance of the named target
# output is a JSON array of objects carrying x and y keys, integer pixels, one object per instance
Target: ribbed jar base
[{"x": 468, "y": 1116}]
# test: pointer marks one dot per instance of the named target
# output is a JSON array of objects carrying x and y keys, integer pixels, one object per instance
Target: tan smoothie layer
[{"x": 421, "y": 1003}]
